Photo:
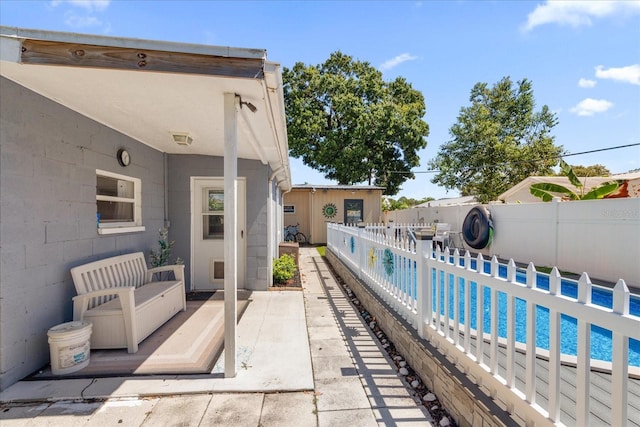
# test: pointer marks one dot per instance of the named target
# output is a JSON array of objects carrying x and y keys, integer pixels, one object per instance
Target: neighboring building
[
  {"x": 519, "y": 193},
  {"x": 312, "y": 206},
  {"x": 104, "y": 141}
]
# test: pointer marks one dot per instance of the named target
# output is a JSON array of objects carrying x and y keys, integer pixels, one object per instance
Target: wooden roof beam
[{"x": 107, "y": 57}]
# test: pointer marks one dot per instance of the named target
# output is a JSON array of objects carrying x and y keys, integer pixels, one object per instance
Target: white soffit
[{"x": 149, "y": 105}]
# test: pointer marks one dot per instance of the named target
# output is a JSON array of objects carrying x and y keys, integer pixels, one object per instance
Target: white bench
[{"x": 117, "y": 295}]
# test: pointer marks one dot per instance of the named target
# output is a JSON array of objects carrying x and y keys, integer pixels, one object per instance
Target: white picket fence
[{"x": 436, "y": 291}]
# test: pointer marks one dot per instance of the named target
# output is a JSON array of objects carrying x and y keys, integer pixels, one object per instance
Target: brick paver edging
[{"x": 467, "y": 404}]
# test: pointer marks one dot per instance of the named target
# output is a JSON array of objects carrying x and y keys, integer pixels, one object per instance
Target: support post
[{"x": 230, "y": 235}]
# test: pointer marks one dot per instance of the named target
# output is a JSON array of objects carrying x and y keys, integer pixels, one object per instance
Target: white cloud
[
  {"x": 628, "y": 74},
  {"x": 391, "y": 63},
  {"x": 586, "y": 83},
  {"x": 81, "y": 13},
  {"x": 90, "y": 5},
  {"x": 76, "y": 21},
  {"x": 578, "y": 13},
  {"x": 590, "y": 106}
]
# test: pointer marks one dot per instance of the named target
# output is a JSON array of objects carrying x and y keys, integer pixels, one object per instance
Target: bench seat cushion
[{"x": 142, "y": 295}]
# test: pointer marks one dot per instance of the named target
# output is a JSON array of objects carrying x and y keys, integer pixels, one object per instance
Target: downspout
[
  {"x": 165, "y": 179},
  {"x": 273, "y": 87},
  {"x": 312, "y": 225},
  {"x": 271, "y": 220}
]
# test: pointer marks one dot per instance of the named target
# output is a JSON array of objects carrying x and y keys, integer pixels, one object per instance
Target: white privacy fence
[
  {"x": 446, "y": 296},
  {"x": 603, "y": 234}
]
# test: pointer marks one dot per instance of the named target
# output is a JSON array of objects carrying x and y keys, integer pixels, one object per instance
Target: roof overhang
[
  {"x": 149, "y": 90},
  {"x": 337, "y": 187}
]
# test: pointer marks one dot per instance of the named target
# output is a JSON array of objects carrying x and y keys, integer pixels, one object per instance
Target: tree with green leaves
[
  {"x": 389, "y": 204},
  {"x": 593, "y": 170},
  {"x": 548, "y": 190},
  {"x": 345, "y": 121},
  {"x": 498, "y": 141}
]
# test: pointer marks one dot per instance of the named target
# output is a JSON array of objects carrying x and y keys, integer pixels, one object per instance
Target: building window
[
  {"x": 118, "y": 203},
  {"x": 213, "y": 215},
  {"x": 353, "y": 211},
  {"x": 289, "y": 209}
]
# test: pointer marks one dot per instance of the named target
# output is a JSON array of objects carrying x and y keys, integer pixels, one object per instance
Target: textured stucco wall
[{"x": 48, "y": 160}]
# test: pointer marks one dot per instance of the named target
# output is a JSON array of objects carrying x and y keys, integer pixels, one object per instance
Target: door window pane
[
  {"x": 215, "y": 200},
  {"x": 213, "y": 227}
]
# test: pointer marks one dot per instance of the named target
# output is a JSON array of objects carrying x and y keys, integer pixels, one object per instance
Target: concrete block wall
[
  {"x": 48, "y": 160},
  {"x": 467, "y": 404}
]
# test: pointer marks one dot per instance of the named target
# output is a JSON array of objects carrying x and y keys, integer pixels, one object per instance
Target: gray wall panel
[
  {"x": 48, "y": 158},
  {"x": 181, "y": 169}
]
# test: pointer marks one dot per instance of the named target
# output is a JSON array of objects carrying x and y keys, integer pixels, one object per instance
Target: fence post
[
  {"x": 423, "y": 290},
  {"x": 620, "y": 359},
  {"x": 362, "y": 262},
  {"x": 556, "y": 230},
  {"x": 583, "y": 367}
]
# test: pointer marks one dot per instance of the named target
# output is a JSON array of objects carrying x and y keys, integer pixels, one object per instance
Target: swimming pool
[{"x": 601, "y": 339}]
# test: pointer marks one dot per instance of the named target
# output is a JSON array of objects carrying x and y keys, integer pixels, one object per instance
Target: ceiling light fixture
[
  {"x": 182, "y": 138},
  {"x": 249, "y": 105}
]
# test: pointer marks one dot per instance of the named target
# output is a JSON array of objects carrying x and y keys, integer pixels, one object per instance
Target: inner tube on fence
[{"x": 477, "y": 228}]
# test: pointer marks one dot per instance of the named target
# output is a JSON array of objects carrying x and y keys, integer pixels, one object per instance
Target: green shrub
[{"x": 284, "y": 268}]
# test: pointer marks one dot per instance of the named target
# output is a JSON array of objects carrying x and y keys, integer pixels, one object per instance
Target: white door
[{"x": 207, "y": 235}]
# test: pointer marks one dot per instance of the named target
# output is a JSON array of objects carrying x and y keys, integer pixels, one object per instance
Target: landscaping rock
[{"x": 429, "y": 397}]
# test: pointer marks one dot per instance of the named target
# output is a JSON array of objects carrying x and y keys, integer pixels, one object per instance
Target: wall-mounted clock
[{"x": 123, "y": 157}]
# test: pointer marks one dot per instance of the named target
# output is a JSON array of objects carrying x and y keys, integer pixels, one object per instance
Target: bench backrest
[{"x": 123, "y": 270}]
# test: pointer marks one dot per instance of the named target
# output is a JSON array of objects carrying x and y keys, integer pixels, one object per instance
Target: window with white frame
[{"x": 118, "y": 202}]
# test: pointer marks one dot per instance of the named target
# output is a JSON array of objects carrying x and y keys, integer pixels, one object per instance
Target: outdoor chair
[{"x": 441, "y": 236}]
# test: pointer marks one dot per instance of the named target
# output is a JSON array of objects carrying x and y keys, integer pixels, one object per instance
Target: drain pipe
[
  {"x": 165, "y": 179},
  {"x": 272, "y": 218}
]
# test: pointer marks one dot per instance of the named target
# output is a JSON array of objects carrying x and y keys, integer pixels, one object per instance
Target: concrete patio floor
[{"x": 304, "y": 359}]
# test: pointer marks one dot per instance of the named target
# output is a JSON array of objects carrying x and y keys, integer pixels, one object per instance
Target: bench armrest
[
  {"x": 81, "y": 302},
  {"x": 178, "y": 271},
  {"x": 127, "y": 303}
]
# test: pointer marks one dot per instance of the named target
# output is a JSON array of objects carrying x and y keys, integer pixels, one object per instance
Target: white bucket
[{"x": 70, "y": 346}]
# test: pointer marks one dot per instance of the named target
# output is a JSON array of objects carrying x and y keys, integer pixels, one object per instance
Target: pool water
[{"x": 601, "y": 339}]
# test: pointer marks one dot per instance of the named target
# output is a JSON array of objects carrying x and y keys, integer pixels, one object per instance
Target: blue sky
[{"x": 583, "y": 57}]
